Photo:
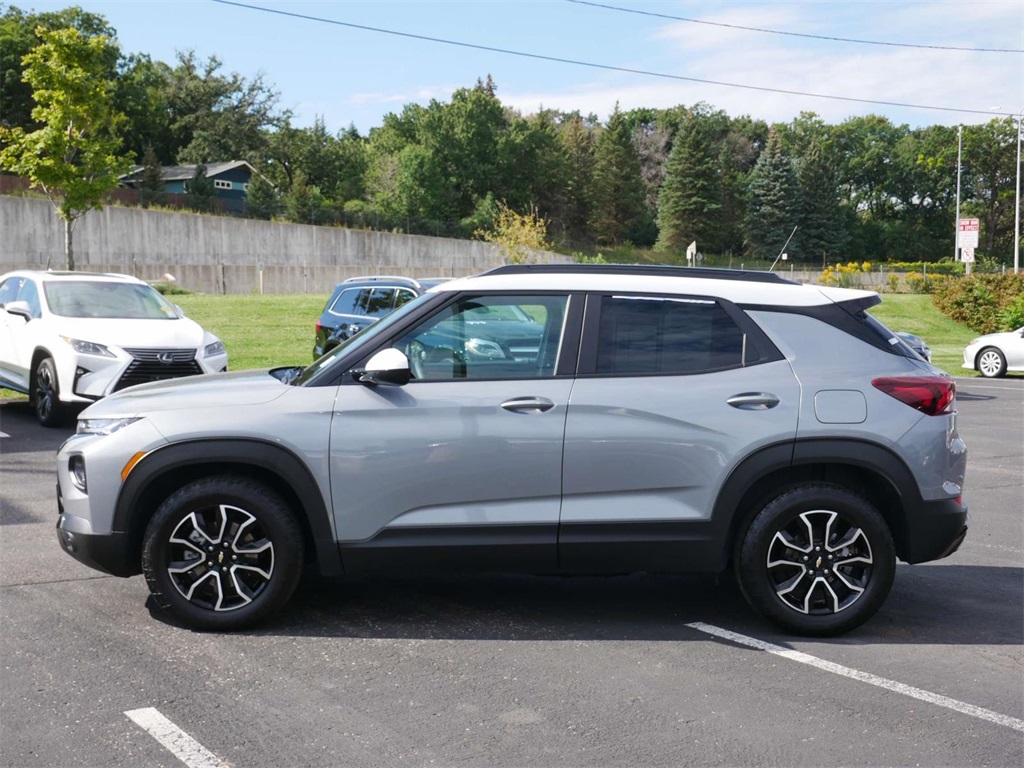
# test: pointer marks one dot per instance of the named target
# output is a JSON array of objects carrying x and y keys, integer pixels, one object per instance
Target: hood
[
  {"x": 215, "y": 390},
  {"x": 177, "y": 333}
]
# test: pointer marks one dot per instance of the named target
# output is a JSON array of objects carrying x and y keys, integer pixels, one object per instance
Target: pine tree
[
  {"x": 152, "y": 186},
  {"x": 823, "y": 231},
  {"x": 618, "y": 208},
  {"x": 261, "y": 199},
  {"x": 578, "y": 140},
  {"x": 689, "y": 200},
  {"x": 774, "y": 202},
  {"x": 200, "y": 191}
]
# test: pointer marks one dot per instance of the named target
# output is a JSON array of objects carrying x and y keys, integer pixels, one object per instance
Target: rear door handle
[
  {"x": 528, "y": 405},
  {"x": 753, "y": 401}
]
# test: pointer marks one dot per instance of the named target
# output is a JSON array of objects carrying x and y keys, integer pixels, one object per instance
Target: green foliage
[
  {"x": 617, "y": 194},
  {"x": 520, "y": 237},
  {"x": 690, "y": 196},
  {"x": 306, "y": 204},
  {"x": 774, "y": 202},
  {"x": 200, "y": 192},
  {"x": 171, "y": 289},
  {"x": 844, "y": 275},
  {"x": 73, "y": 157},
  {"x": 1012, "y": 315},
  {"x": 261, "y": 199},
  {"x": 979, "y": 301},
  {"x": 822, "y": 222},
  {"x": 152, "y": 185},
  {"x": 20, "y": 34}
]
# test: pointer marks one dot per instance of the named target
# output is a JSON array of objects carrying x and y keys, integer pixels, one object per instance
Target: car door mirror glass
[{"x": 389, "y": 366}]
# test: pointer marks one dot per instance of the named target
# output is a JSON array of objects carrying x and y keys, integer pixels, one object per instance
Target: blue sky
[{"x": 356, "y": 76}]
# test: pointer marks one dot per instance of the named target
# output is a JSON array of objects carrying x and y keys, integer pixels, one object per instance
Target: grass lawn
[
  {"x": 271, "y": 330},
  {"x": 915, "y": 313}
]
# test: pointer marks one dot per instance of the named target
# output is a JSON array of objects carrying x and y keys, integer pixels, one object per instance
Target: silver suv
[{"x": 662, "y": 419}]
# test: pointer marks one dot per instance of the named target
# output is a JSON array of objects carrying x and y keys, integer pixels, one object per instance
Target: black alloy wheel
[
  {"x": 818, "y": 560},
  {"x": 222, "y": 553}
]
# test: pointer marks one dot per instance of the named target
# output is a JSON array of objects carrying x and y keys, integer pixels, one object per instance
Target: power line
[
  {"x": 793, "y": 34},
  {"x": 609, "y": 67}
]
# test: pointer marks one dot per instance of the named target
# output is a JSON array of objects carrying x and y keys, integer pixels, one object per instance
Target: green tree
[
  {"x": 577, "y": 136},
  {"x": 216, "y": 116},
  {"x": 774, "y": 202},
  {"x": 261, "y": 199},
  {"x": 520, "y": 237},
  {"x": 152, "y": 185},
  {"x": 619, "y": 210},
  {"x": 822, "y": 220},
  {"x": 200, "y": 191},
  {"x": 690, "y": 198},
  {"x": 305, "y": 204},
  {"x": 20, "y": 34},
  {"x": 74, "y": 156}
]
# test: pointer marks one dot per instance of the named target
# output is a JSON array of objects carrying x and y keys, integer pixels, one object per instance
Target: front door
[{"x": 461, "y": 468}]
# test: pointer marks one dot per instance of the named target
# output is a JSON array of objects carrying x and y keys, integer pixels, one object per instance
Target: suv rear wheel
[
  {"x": 222, "y": 553},
  {"x": 817, "y": 559}
]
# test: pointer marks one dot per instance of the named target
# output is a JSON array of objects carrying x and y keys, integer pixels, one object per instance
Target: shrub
[
  {"x": 1012, "y": 316},
  {"x": 170, "y": 289},
  {"x": 844, "y": 275},
  {"x": 984, "y": 303},
  {"x": 894, "y": 283}
]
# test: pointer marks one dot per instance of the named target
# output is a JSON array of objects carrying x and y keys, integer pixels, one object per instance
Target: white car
[
  {"x": 74, "y": 337},
  {"x": 995, "y": 354}
]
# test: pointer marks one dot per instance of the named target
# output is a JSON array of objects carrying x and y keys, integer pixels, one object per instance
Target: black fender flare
[
  {"x": 789, "y": 458},
  {"x": 265, "y": 457}
]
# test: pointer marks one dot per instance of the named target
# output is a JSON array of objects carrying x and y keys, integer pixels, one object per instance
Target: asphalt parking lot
[{"x": 517, "y": 671}]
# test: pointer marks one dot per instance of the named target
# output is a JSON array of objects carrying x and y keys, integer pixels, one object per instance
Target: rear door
[{"x": 672, "y": 393}]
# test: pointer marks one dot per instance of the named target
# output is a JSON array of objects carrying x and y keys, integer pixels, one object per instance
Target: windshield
[
  {"x": 367, "y": 334},
  {"x": 83, "y": 298}
]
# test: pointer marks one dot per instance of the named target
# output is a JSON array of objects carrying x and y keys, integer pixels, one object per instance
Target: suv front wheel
[
  {"x": 818, "y": 560},
  {"x": 222, "y": 553}
]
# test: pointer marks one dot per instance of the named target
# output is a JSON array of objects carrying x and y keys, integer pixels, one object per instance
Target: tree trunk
[{"x": 69, "y": 251}]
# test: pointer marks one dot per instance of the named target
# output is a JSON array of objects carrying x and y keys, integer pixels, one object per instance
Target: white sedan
[
  {"x": 995, "y": 354},
  {"x": 74, "y": 337}
]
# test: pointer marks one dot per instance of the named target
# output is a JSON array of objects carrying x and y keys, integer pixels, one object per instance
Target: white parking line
[
  {"x": 864, "y": 677},
  {"x": 179, "y": 743},
  {"x": 961, "y": 383}
]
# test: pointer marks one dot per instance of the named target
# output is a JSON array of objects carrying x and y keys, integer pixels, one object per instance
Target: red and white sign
[{"x": 967, "y": 234}]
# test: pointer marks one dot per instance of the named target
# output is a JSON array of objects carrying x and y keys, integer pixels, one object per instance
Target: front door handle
[
  {"x": 753, "y": 401},
  {"x": 528, "y": 405}
]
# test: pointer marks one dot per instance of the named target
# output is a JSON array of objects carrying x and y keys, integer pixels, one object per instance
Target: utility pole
[
  {"x": 1016, "y": 217},
  {"x": 956, "y": 224}
]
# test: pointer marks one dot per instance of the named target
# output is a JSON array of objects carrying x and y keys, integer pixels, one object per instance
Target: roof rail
[
  {"x": 411, "y": 282},
  {"x": 642, "y": 269}
]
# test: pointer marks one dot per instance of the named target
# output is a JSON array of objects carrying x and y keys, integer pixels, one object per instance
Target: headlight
[
  {"x": 103, "y": 426},
  {"x": 212, "y": 350},
  {"x": 88, "y": 347},
  {"x": 488, "y": 350}
]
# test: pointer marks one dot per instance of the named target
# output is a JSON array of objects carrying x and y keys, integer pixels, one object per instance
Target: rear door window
[{"x": 666, "y": 335}]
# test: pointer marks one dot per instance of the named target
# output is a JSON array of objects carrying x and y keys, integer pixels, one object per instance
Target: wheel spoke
[{"x": 220, "y": 558}]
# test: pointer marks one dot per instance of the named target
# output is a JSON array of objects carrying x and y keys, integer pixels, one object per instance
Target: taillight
[
  {"x": 933, "y": 395},
  {"x": 318, "y": 327}
]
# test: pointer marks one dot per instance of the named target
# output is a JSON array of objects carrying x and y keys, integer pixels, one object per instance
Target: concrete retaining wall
[{"x": 219, "y": 254}]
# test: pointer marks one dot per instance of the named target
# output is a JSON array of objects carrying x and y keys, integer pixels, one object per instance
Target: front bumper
[{"x": 104, "y": 552}]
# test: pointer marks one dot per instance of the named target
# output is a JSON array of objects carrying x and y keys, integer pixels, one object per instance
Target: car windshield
[
  {"x": 368, "y": 333},
  {"x": 100, "y": 298}
]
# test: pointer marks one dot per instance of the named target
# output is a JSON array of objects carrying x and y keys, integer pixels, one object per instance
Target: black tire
[
  {"x": 991, "y": 363},
  {"x": 45, "y": 395},
  {"x": 791, "y": 571},
  {"x": 222, "y": 553}
]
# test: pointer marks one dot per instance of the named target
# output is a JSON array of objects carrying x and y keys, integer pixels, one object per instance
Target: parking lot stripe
[
  {"x": 179, "y": 743},
  {"x": 864, "y": 677}
]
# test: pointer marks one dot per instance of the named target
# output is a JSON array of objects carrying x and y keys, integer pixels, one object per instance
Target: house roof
[{"x": 186, "y": 172}]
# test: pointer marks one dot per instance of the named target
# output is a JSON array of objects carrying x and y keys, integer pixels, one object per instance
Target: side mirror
[
  {"x": 389, "y": 366},
  {"x": 19, "y": 308}
]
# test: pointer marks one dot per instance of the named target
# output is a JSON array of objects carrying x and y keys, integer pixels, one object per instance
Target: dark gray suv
[{"x": 655, "y": 419}]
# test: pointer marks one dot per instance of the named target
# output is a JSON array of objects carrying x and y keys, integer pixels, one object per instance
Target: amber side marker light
[{"x": 131, "y": 464}]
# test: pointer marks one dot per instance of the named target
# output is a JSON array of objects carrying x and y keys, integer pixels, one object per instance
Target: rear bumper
[{"x": 935, "y": 529}]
